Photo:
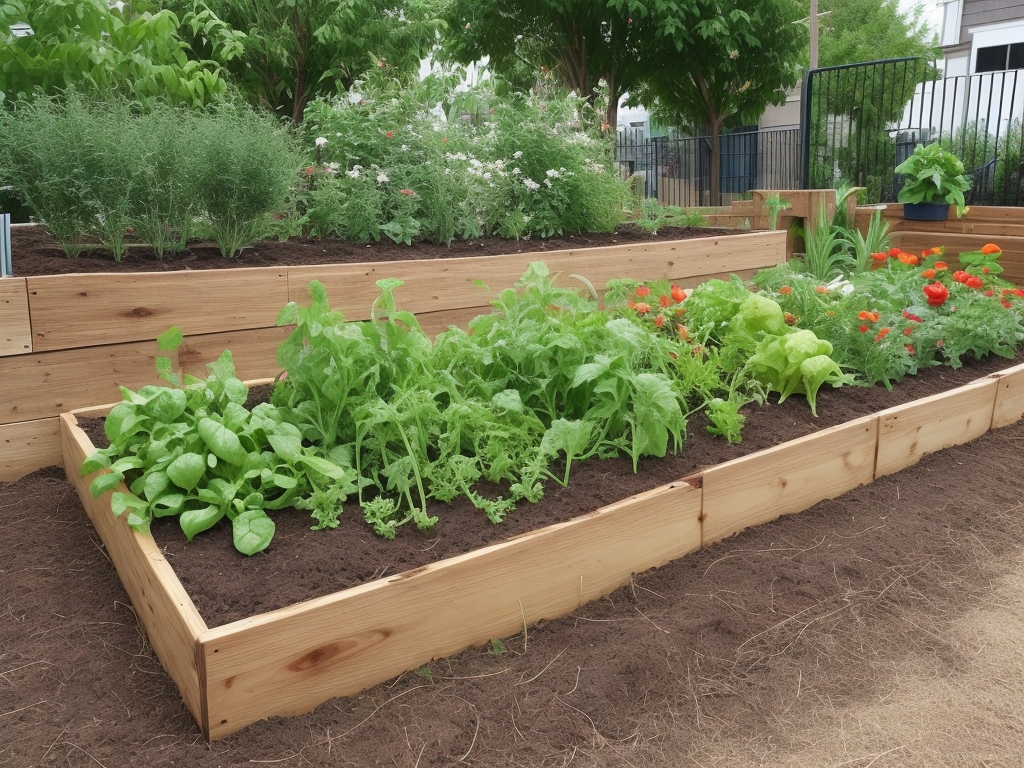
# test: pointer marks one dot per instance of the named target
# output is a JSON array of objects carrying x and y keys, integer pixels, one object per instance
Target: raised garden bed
[
  {"x": 286, "y": 661},
  {"x": 88, "y": 334}
]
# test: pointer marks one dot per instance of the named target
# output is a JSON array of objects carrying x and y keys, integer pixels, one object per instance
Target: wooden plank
[
  {"x": 28, "y": 446},
  {"x": 289, "y": 661},
  {"x": 908, "y": 432},
  {"x": 40, "y": 385},
  {"x": 441, "y": 284},
  {"x": 788, "y": 478},
  {"x": 166, "y": 612},
  {"x": 136, "y": 306},
  {"x": 15, "y": 327},
  {"x": 254, "y": 351},
  {"x": 1009, "y": 406}
]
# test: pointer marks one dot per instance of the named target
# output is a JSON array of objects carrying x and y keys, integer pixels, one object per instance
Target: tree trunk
[
  {"x": 299, "y": 92},
  {"x": 611, "y": 116},
  {"x": 716, "y": 162}
]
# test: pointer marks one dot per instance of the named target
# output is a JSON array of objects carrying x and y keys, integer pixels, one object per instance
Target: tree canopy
[
  {"x": 295, "y": 50},
  {"x": 133, "y": 49},
  {"x": 853, "y": 31}
]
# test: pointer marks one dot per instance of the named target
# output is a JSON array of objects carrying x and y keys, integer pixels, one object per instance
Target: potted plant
[{"x": 933, "y": 180}]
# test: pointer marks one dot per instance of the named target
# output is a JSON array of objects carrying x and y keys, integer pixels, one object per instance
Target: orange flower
[
  {"x": 642, "y": 308},
  {"x": 907, "y": 331},
  {"x": 683, "y": 332},
  {"x": 880, "y": 256},
  {"x": 821, "y": 289},
  {"x": 659, "y": 321},
  {"x": 678, "y": 294},
  {"x": 988, "y": 248},
  {"x": 934, "y": 251},
  {"x": 941, "y": 265},
  {"x": 882, "y": 334},
  {"x": 785, "y": 290},
  {"x": 985, "y": 270},
  {"x": 894, "y": 251},
  {"x": 867, "y": 315},
  {"x": 928, "y": 274},
  {"x": 910, "y": 348},
  {"x": 643, "y": 290},
  {"x": 789, "y": 318},
  {"x": 908, "y": 258},
  {"x": 664, "y": 300}
]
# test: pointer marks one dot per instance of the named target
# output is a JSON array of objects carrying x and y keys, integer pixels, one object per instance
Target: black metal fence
[
  {"x": 862, "y": 120},
  {"x": 677, "y": 170}
]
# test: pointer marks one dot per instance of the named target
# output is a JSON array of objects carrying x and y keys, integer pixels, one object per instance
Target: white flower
[
  {"x": 404, "y": 147},
  {"x": 516, "y": 171},
  {"x": 530, "y": 184},
  {"x": 516, "y": 155},
  {"x": 487, "y": 175},
  {"x": 547, "y": 183},
  {"x": 321, "y": 142},
  {"x": 552, "y": 173},
  {"x": 382, "y": 178},
  {"x": 354, "y": 173}
]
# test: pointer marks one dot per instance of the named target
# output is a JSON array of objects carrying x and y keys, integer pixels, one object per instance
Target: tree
[
  {"x": 853, "y": 31},
  {"x": 582, "y": 42},
  {"x": 89, "y": 45},
  {"x": 719, "y": 69},
  {"x": 295, "y": 50},
  {"x": 865, "y": 101}
]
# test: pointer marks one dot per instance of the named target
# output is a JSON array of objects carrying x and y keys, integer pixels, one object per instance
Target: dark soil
[
  {"x": 748, "y": 653},
  {"x": 34, "y": 252},
  {"x": 703, "y": 650}
]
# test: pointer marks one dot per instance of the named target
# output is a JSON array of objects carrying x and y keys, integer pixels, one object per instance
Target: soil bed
[
  {"x": 301, "y": 564},
  {"x": 35, "y": 252},
  {"x": 881, "y": 628}
]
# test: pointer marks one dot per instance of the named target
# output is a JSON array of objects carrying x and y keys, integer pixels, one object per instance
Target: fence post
[
  {"x": 5, "y": 246},
  {"x": 805, "y": 129}
]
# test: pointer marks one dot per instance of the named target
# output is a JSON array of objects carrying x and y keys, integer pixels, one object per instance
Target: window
[{"x": 998, "y": 57}]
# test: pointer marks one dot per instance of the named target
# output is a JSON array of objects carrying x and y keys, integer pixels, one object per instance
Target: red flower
[
  {"x": 389, "y": 134},
  {"x": 960, "y": 276},
  {"x": 659, "y": 321},
  {"x": 664, "y": 300},
  {"x": 928, "y": 274},
  {"x": 937, "y": 294},
  {"x": 894, "y": 251},
  {"x": 910, "y": 348},
  {"x": 990, "y": 292},
  {"x": 407, "y": 192},
  {"x": 881, "y": 255},
  {"x": 1005, "y": 303},
  {"x": 863, "y": 329},
  {"x": 309, "y": 170},
  {"x": 882, "y": 334},
  {"x": 643, "y": 308},
  {"x": 678, "y": 293},
  {"x": 907, "y": 331},
  {"x": 973, "y": 282},
  {"x": 642, "y": 291},
  {"x": 911, "y": 316},
  {"x": 785, "y": 290},
  {"x": 985, "y": 270},
  {"x": 988, "y": 248}
]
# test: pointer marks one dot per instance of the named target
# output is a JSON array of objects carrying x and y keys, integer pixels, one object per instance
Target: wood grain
[
  {"x": 908, "y": 432},
  {"x": 289, "y": 661},
  {"x": 44, "y": 384},
  {"x": 28, "y": 446},
  {"x": 15, "y": 326},
  {"x": 445, "y": 284},
  {"x": 110, "y": 308},
  {"x": 164, "y": 609},
  {"x": 1009, "y": 405},
  {"x": 788, "y": 478}
]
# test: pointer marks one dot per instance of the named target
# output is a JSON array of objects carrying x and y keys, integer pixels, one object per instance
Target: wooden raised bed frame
[
  {"x": 69, "y": 341},
  {"x": 288, "y": 661}
]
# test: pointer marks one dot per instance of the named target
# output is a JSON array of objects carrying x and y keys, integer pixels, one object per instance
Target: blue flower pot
[{"x": 926, "y": 211}]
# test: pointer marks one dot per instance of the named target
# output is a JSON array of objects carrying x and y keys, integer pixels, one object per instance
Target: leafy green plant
[
  {"x": 875, "y": 240},
  {"x": 246, "y": 166},
  {"x": 775, "y": 205},
  {"x": 933, "y": 175},
  {"x": 827, "y": 249}
]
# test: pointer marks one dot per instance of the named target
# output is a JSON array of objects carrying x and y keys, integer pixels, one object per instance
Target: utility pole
[{"x": 814, "y": 34}]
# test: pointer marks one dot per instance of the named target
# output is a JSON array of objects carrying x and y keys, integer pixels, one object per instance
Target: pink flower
[
  {"x": 407, "y": 192},
  {"x": 389, "y": 134}
]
